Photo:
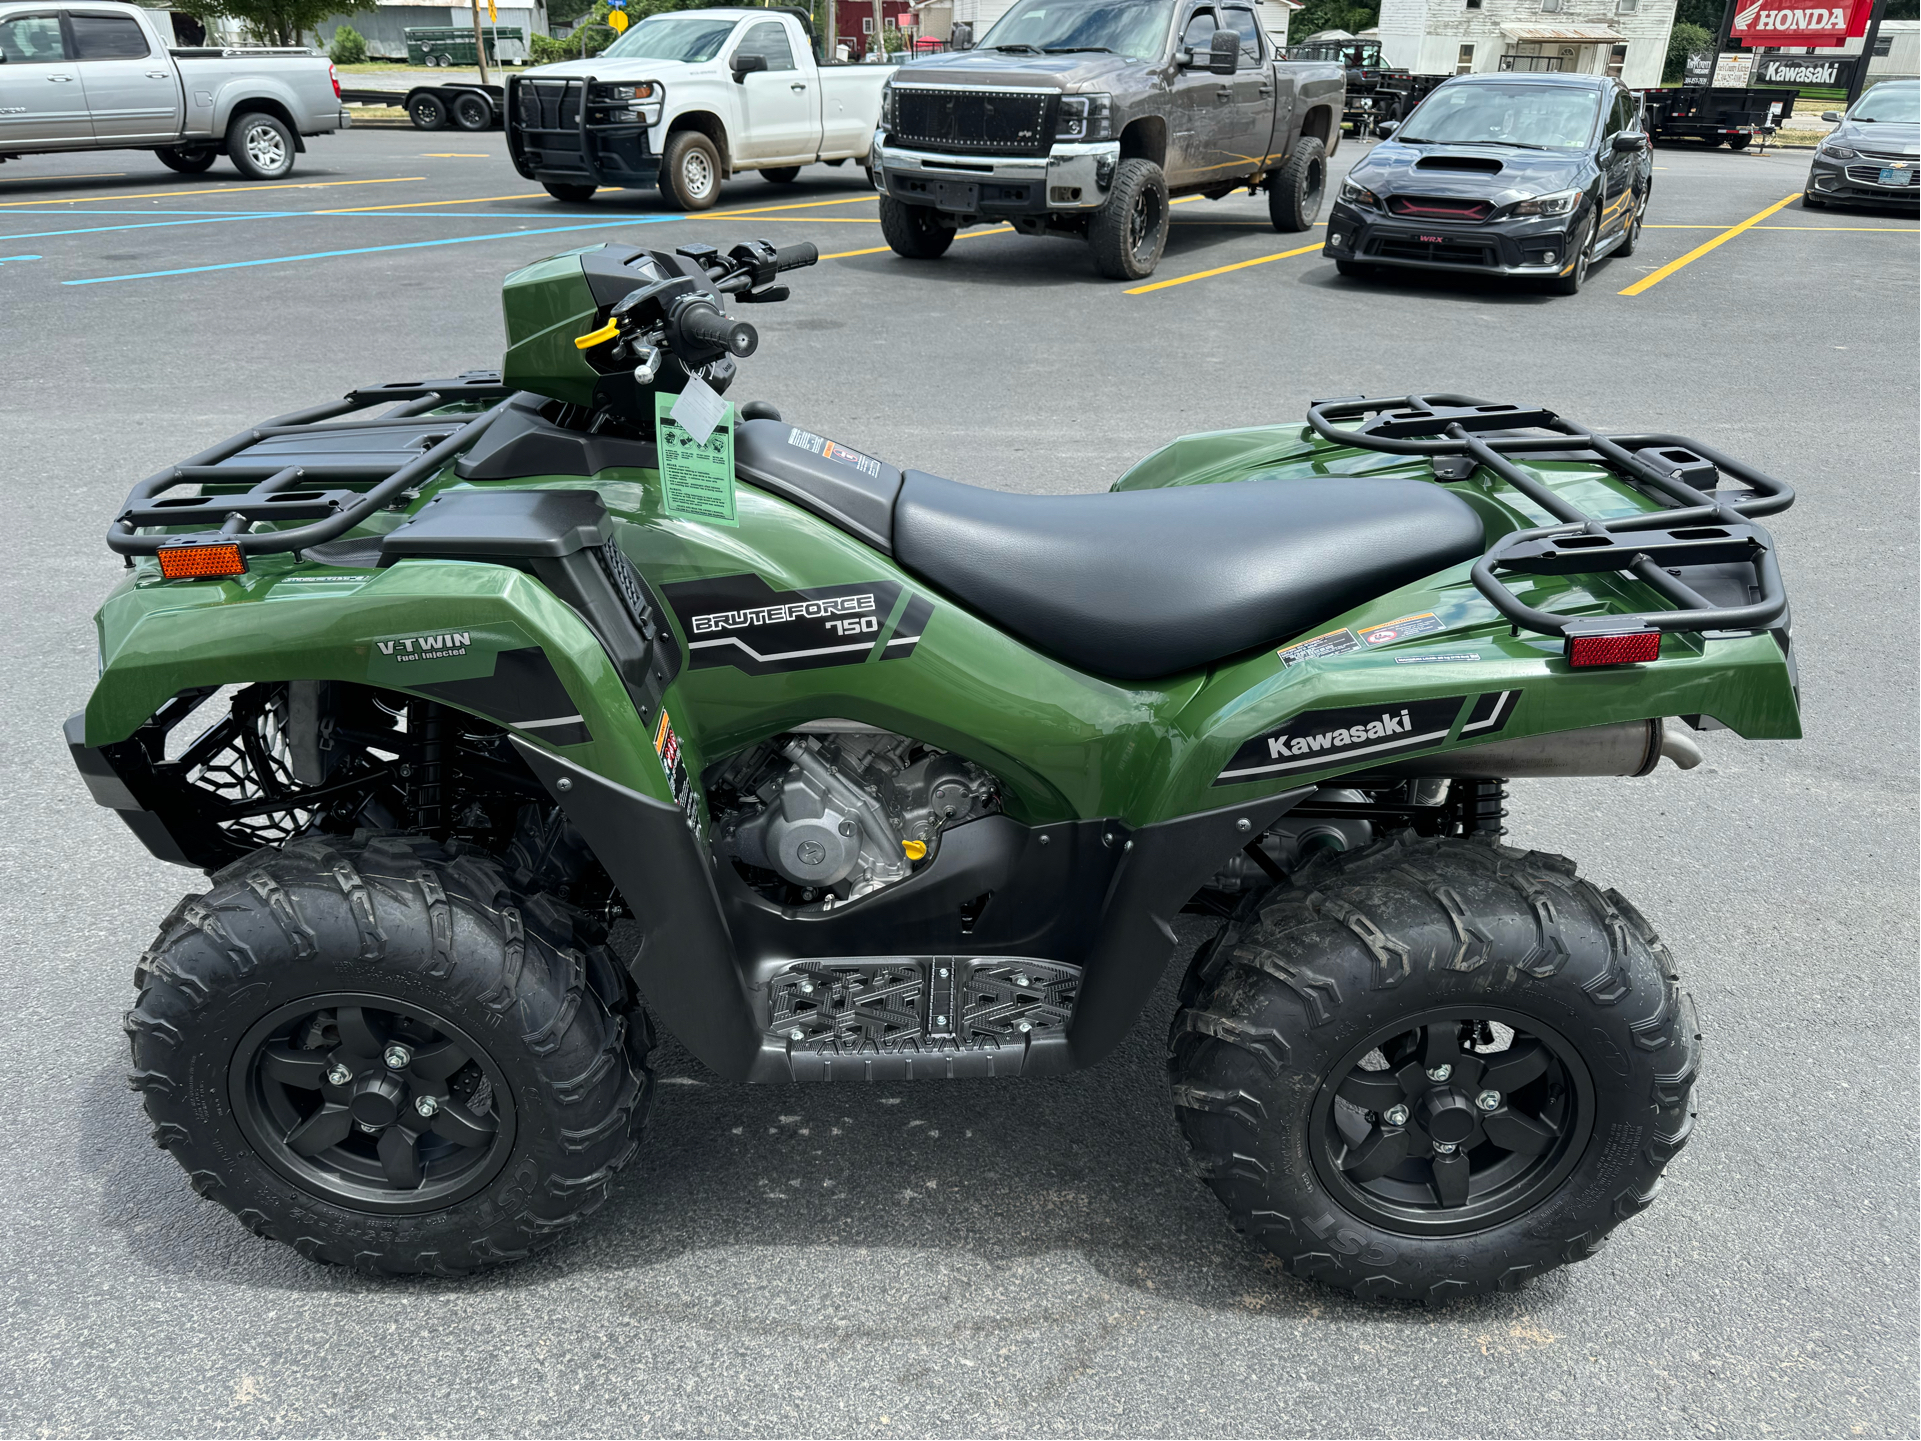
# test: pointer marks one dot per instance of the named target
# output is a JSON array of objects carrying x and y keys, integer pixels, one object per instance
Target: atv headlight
[
  {"x": 1354, "y": 194},
  {"x": 1085, "y": 117},
  {"x": 1561, "y": 202},
  {"x": 1835, "y": 152}
]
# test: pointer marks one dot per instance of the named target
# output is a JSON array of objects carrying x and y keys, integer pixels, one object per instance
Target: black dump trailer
[
  {"x": 1375, "y": 91},
  {"x": 436, "y": 107},
  {"x": 1716, "y": 115}
]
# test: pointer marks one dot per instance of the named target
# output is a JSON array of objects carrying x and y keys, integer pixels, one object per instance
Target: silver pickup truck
[{"x": 102, "y": 77}]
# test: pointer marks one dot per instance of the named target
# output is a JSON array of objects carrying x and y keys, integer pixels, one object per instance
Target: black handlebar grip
[
  {"x": 705, "y": 324},
  {"x": 793, "y": 257}
]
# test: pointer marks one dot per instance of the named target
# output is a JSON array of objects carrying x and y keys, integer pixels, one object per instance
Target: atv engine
[{"x": 837, "y": 811}]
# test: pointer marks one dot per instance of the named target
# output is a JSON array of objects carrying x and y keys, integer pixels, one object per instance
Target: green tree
[
  {"x": 348, "y": 47},
  {"x": 277, "y": 22},
  {"x": 1683, "y": 42},
  {"x": 1320, "y": 15}
]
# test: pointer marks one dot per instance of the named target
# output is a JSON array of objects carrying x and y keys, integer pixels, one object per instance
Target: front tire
[
  {"x": 571, "y": 194},
  {"x": 1434, "y": 1068},
  {"x": 381, "y": 1055},
  {"x": 781, "y": 174},
  {"x": 260, "y": 146},
  {"x": 690, "y": 171},
  {"x": 1129, "y": 232},
  {"x": 188, "y": 159},
  {"x": 1576, "y": 276},
  {"x": 1295, "y": 193},
  {"x": 914, "y": 231}
]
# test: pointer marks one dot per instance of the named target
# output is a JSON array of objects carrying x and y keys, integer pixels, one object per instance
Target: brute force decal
[
  {"x": 741, "y": 621},
  {"x": 1317, "y": 740}
]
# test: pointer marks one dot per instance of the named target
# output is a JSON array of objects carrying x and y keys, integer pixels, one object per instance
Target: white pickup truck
[
  {"x": 687, "y": 98},
  {"x": 101, "y": 76}
]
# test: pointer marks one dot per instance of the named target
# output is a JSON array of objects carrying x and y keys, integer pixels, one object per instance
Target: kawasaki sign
[
  {"x": 1833, "y": 74},
  {"x": 1793, "y": 22}
]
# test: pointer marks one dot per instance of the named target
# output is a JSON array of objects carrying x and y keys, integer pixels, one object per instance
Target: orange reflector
[
  {"x": 1633, "y": 648},
  {"x": 191, "y": 562}
]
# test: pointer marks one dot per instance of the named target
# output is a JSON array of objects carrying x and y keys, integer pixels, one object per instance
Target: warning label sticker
[
  {"x": 1407, "y": 626},
  {"x": 1319, "y": 647}
]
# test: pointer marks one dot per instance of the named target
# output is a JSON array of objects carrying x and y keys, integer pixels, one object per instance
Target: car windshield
[
  {"x": 1889, "y": 105},
  {"x": 1134, "y": 28},
  {"x": 687, "y": 38},
  {"x": 1535, "y": 117}
]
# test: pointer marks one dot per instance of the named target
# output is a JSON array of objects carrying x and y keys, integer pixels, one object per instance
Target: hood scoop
[{"x": 1478, "y": 164}]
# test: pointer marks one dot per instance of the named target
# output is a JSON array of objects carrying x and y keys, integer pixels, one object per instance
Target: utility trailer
[
  {"x": 463, "y": 105},
  {"x": 1376, "y": 92},
  {"x": 1717, "y": 115}
]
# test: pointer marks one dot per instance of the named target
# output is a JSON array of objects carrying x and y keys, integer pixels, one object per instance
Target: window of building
[
  {"x": 1883, "y": 44},
  {"x": 867, "y": 24},
  {"x": 1626, "y": 7},
  {"x": 1617, "y": 58},
  {"x": 1464, "y": 62},
  {"x": 1474, "y": 4},
  {"x": 1552, "y": 6}
]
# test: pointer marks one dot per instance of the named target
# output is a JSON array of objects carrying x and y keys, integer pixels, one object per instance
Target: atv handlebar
[{"x": 698, "y": 326}]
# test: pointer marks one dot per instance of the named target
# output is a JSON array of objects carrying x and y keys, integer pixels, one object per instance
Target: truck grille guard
[
  {"x": 327, "y": 496},
  {"x": 1699, "y": 523}
]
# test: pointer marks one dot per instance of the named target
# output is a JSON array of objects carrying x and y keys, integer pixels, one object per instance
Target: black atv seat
[{"x": 1130, "y": 584}]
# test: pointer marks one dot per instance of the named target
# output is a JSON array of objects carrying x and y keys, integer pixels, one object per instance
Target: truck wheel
[
  {"x": 1739, "y": 142},
  {"x": 188, "y": 159},
  {"x": 1294, "y": 194},
  {"x": 690, "y": 171},
  {"x": 1434, "y": 1068},
  {"x": 260, "y": 146},
  {"x": 1129, "y": 232},
  {"x": 572, "y": 194},
  {"x": 473, "y": 112},
  {"x": 427, "y": 111},
  {"x": 380, "y": 1055},
  {"x": 1570, "y": 283},
  {"x": 782, "y": 174},
  {"x": 914, "y": 231}
]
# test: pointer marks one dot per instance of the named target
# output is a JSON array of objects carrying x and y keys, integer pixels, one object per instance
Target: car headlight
[
  {"x": 1085, "y": 117},
  {"x": 1354, "y": 194},
  {"x": 887, "y": 106},
  {"x": 641, "y": 101},
  {"x": 1835, "y": 152},
  {"x": 1561, "y": 202}
]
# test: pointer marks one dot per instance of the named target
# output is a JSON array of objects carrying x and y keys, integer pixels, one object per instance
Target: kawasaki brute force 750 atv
[{"x": 874, "y": 776}]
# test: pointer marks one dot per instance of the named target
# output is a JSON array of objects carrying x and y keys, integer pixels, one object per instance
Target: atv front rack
[
  {"x": 332, "y": 496},
  {"x": 1699, "y": 523}
]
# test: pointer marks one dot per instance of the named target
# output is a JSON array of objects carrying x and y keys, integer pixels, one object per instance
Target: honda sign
[{"x": 1795, "y": 22}]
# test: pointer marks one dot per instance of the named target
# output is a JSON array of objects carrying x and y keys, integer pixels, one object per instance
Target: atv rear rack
[
  {"x": 332, "y": 497},
  {"x": 1699, "y": 523}
]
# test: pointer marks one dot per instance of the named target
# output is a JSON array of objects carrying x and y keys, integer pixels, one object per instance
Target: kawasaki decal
[
  {"x": 1316, "y": 740},
  {"x": 740, "y": 620}
]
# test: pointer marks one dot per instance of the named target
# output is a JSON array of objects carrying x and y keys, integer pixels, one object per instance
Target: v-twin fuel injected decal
[
  {"x": 741, "y": 621},
  {"x": 1318, "y": 739}
]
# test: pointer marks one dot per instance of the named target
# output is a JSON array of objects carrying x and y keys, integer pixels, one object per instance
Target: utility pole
[
  {"x": 1859, "y": 81},
  {"x": 480, "y": 46},
  {"x": 827, "y": 50},
  {"x": 880, "y": 35}
]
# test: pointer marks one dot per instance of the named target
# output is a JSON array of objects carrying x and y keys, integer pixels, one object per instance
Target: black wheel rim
[
  {"x": 371, "y": 1103},
  {"x": 1316, "y": 181},
  {"x": 1582, "y": 252},
  {"x": 1452, "y": 1121},
  {"x": 1144, "y": 225}
]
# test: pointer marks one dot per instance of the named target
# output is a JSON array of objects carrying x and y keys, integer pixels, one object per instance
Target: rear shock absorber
[
  {"x": 429, "y": 805},
  {"x": 1480, "y": 807}
]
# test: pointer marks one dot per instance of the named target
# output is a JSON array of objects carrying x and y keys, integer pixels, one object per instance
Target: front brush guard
[{"x": 1696, "y": 525}]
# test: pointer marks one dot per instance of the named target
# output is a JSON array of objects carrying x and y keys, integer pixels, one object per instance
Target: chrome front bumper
[{"x": 1074, "y": 175}]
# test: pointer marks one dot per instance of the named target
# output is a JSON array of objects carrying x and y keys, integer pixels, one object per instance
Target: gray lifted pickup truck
[{"x": 1081, "y": 118}]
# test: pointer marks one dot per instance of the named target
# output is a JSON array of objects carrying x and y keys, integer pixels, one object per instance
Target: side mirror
[
  {"x": 1629, "y": 144},
  {"x": 745, "y": 65},
  {"x": 1386, "y": 127},
  {"x": 1224, "y": 55},
  {"x": 1833, "y": 117},
  {"x": 961, "y": 37}
]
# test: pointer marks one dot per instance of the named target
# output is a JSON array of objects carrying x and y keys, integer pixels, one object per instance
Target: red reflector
[
  {"x": 1633, "y": 648},
  {"x": 191, "y": 562}
]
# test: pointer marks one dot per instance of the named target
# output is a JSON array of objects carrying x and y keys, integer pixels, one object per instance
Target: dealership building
[{"x": 1623, "y": 38}]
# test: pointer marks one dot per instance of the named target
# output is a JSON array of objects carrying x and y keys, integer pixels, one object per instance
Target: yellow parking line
[
  {"x": 802, "y": 205},
  {"x": 1874, "y": 229},
  {"x": 1220, "y": 270},
  {"x": 1695, "y": 254},
  {"x": 242, "y": 189},
  {"x": 883, "y": 249},
  {"x": 94, "y": 175},
  {"x": 424, "y": 204}
]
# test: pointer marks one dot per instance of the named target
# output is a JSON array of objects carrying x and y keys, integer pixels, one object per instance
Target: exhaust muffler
[{"x": 1629, "y": 748}]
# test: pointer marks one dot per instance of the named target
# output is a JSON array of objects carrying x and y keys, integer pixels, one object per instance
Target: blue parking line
[
  {"x": 152, "y": 225},
  {"x": 375, "y": 249},
  {"x": 5, "y": 258}
]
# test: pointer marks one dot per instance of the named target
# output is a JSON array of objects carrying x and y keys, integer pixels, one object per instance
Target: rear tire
[
  {"x": 1295, "y": 193},
  {"x": 781, "y": 174},
  {"x": 260, "y": 146},
  {"x": 473, "y": 112},
  {"x": 572, "y": 194},
  {"x": 914, "y": 231},
  {"x": 1410, "y": 953},
  {"x": 1129, "y": 233},
  {"x": 188, "y": 159},
  {"x": 690, "y": 171},
  {"x": 428, "y": 112},
  {"x": 316, "y": 960}
]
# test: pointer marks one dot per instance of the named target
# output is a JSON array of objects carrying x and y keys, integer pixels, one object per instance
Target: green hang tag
[{"x": 696, "y": 475}]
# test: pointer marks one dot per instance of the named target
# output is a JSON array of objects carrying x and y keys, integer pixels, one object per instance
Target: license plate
[
  {"x": 956, "y": 195},
  {"x": 1894, "y": 174}
]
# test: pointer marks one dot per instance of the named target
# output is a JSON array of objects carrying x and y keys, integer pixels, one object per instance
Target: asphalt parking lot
[{"x": 992, "y": 1258}]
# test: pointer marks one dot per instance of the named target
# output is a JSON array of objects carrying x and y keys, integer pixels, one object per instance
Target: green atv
[{"x": 515, "y": 714}]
